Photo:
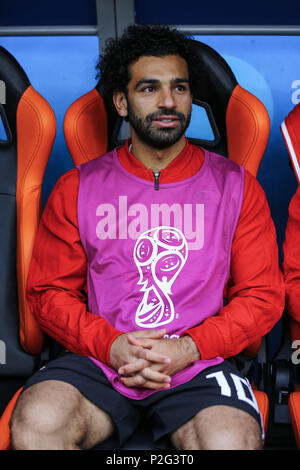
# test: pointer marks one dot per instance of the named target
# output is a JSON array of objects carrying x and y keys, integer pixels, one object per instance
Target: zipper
[{"x": 156, "y": 174}]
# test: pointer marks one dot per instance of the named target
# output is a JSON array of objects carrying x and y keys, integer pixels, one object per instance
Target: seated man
[{"x": 149, "y": 235}]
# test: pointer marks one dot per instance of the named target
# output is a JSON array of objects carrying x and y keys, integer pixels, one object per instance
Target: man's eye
[
  {"x": 181, "y": 88},
  {"x": 148, "y": 89}
]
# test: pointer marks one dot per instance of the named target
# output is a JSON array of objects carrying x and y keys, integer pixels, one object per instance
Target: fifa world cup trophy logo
[{"x": 159, "y": 254}]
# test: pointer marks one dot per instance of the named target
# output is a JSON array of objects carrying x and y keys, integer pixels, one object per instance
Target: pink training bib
[{"x": 158, "y": 258}]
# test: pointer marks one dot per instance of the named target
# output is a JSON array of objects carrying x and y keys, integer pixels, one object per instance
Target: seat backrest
[
  {"x": 239, "y": 120},
  {"x": 29, "y": 127}
]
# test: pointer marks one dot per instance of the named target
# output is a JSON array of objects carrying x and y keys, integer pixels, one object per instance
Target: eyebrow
[{"x": 153, "y": 81}]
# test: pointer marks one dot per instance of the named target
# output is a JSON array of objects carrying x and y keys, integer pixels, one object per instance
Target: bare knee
[
  {"x": 221, "y": 439},
  {"x": 219, "y": 428},
  {"x": 46, "y": 416},
  {"x": 233, "y": 439}
]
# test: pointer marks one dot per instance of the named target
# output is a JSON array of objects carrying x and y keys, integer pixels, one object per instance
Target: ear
[{"x": 120, "y": 102}]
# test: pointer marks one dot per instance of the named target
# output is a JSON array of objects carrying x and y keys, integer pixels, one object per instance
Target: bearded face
[{"x": 159, "y": 137}]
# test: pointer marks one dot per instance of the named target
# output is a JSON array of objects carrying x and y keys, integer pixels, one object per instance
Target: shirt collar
[{"x": 186, "y": 164}]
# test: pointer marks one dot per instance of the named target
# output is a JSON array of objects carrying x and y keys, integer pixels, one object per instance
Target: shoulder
[
  {"x": 65, "y": 191},
  {"x": 253, "y": 189},
  {"x": 294, "y": 206},
  {"x": 67, "y": 179},
  {"x": 224, "y": 164},
  {"x": 255, "y": 202},
  {"x": 97, "y": 162}
]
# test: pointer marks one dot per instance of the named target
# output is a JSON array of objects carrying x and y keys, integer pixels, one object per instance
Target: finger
[
  {"x": 138, "y": 366},
  {"x": 152, "y": 333},
  {"x": 157, "y": 360},
  {"x": 133, "y": 367},
  {"x": 152, "y": 356},
  {"x": 155, "y": 376},
  {"x": 140, "y": 382},
  {"x": 141, "y": 342}
]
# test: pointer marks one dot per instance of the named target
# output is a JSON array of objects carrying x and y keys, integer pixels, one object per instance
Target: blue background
[
  {"x": 83, "y": 12},
  {"x": 63, "y": 68}
]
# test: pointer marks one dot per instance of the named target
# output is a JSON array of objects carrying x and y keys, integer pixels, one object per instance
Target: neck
[{"x": 153, "y": 158}]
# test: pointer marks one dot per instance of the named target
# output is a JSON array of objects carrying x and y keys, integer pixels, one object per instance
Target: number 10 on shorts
[{"x": 240, "y": 385}]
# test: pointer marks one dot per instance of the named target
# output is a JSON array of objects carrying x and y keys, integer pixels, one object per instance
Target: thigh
[
  {"x": 86, "y": 388},
  {"x": 219, "y": 428},
  {"x": 54, "y": 413},
  {"x": 215, "y": 387}
]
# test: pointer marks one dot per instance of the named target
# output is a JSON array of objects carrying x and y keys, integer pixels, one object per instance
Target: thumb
[
  {"x": 140, "y": 341},
  {"x": 152, "y": 333},
  {"x": 133, "y": 340}
]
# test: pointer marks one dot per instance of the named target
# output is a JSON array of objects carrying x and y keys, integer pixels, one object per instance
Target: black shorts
[{"x": 164, "y": 411}]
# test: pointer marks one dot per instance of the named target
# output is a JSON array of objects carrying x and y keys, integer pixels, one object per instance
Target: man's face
[{"x": 159, "y": 100}]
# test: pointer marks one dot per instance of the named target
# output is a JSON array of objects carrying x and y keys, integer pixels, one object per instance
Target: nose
[{"x": 166, "y": 98}]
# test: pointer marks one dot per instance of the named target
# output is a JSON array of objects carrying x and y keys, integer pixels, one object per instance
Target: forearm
[
  {"x": 238, "y": 325},
  {"x": 65, "y": 318},
  {"x": 56, "y": 285},
  {"x": 188, "y": 350},
  {"x": 256, "y": 291},
  {"x": 291, "y": 262}
]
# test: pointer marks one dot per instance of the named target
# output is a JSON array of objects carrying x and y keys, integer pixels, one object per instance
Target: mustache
[{"x": 165, "y": 112}]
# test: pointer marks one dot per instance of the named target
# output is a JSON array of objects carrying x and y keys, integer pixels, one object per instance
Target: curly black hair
[{"x": 138, "y": 41}]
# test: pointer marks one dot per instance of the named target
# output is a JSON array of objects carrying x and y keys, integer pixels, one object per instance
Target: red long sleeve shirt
[
  {"x": 57, "y": 278},
  {"x": 291, "y": 263}
]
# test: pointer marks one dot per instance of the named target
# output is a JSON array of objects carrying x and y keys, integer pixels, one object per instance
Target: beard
[{"x": 158, "y": 138}]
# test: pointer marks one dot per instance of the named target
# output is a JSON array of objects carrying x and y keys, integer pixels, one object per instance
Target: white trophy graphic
[{"x": 159, "y": 254}]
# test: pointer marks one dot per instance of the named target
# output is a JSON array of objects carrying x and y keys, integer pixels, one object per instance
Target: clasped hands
[{"x": 144, "y": 358}]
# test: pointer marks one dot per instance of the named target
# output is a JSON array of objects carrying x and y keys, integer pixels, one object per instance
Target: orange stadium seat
[{"x": 29, "y": 128}]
